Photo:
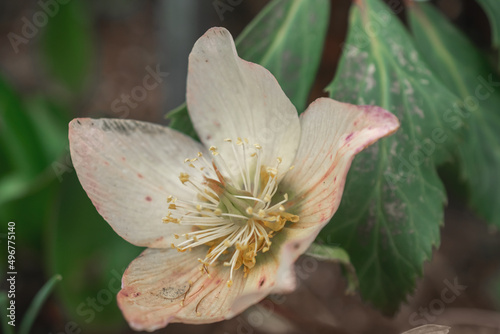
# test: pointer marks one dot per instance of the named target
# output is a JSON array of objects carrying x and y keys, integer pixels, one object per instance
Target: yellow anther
[
  {"x": 249, "y": 210},
  {"x": 169, "y": 198},
  {"x": 176, "y": 236},
  {"x": 267, "y": 198},
  {"x": 200, "y": 154},
  {"x": 262, "y": 213},
  {"x": 291, "y": 167},
  {"x": 285, "y": 196},
  {"x": 172, "y": 206},
  {"x": 228, "y": 140},
  {"x": 253, "y": 154},
  {"x": 199, "y": 207},
  {"x": 212, "y": 148},
  {"x": 169, "y": 219},
  {"x": 229, "y": 283},
  {"x": 272, "y": 171},
  {"x": 257, "y": 146},
  {"x": 245, "y": 140},
  {"x": 241, "y": 247},
  {"x": 186, "y": 160},
  {"x": 184, "y": 177},
  {"x": 227, "y": 243},
  {"x": 279, "y": 160},
  {"x": 282, "y": 208},
  {"x": 172, "y": 245},
  {"x": 191, "y": 165},
  {"x": 217, "y": 212}
]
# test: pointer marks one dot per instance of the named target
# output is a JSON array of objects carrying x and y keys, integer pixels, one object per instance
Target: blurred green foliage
[{"x": 68, "y": 45}]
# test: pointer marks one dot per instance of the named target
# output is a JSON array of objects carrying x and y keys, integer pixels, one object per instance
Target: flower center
[{"x": 235, "y": 211}]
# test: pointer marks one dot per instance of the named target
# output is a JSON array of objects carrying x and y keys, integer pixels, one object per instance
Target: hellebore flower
[{"x": 224, "y": 220}]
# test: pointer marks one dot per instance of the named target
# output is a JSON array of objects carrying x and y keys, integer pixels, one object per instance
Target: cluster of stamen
[{"x": 233, "y": 211}]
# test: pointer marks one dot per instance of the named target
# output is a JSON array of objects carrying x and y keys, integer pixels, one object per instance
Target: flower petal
[
  {"x": 275, "y": 271},
  {"x": 128, "y": 168},
  {"x": 163, "y": 286},
  {"x": 332, "y": 134},
  {"x": 228, "y": 97}
]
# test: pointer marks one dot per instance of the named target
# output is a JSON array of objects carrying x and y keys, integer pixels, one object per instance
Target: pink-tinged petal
[
  {"x": 163, "y": 286},
  {"x": 275, "y": 271},
  {"x": 228, "y": 97},
  {"x": 128, "y": 168},
  {"x": 332, "y": 134}
]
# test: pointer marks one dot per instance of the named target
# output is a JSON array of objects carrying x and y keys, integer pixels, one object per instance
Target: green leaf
[
  {"x": 392, "y": 206},
  {"x": 31, "y": 210},
  {"x": 339, "y": 255},
  {"x": 68, "y": 46},
  {"x": 179, "y": 120},
  {"x": 492, "y": 9},
  {"x": 90, "y": 256},
  {"x": 459, "y": 65},
  {"x": 37, "y": 303},
  {"x": 286, "y": 38},
  {"x": 32, "y": 136},
  {"x": 18, "y": 134}
]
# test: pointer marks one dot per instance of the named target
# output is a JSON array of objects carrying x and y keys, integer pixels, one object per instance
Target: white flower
[{"x": 239, "y": 208}]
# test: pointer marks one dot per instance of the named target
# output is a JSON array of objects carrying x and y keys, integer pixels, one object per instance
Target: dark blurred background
[{"x": 70, "y": 58}]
